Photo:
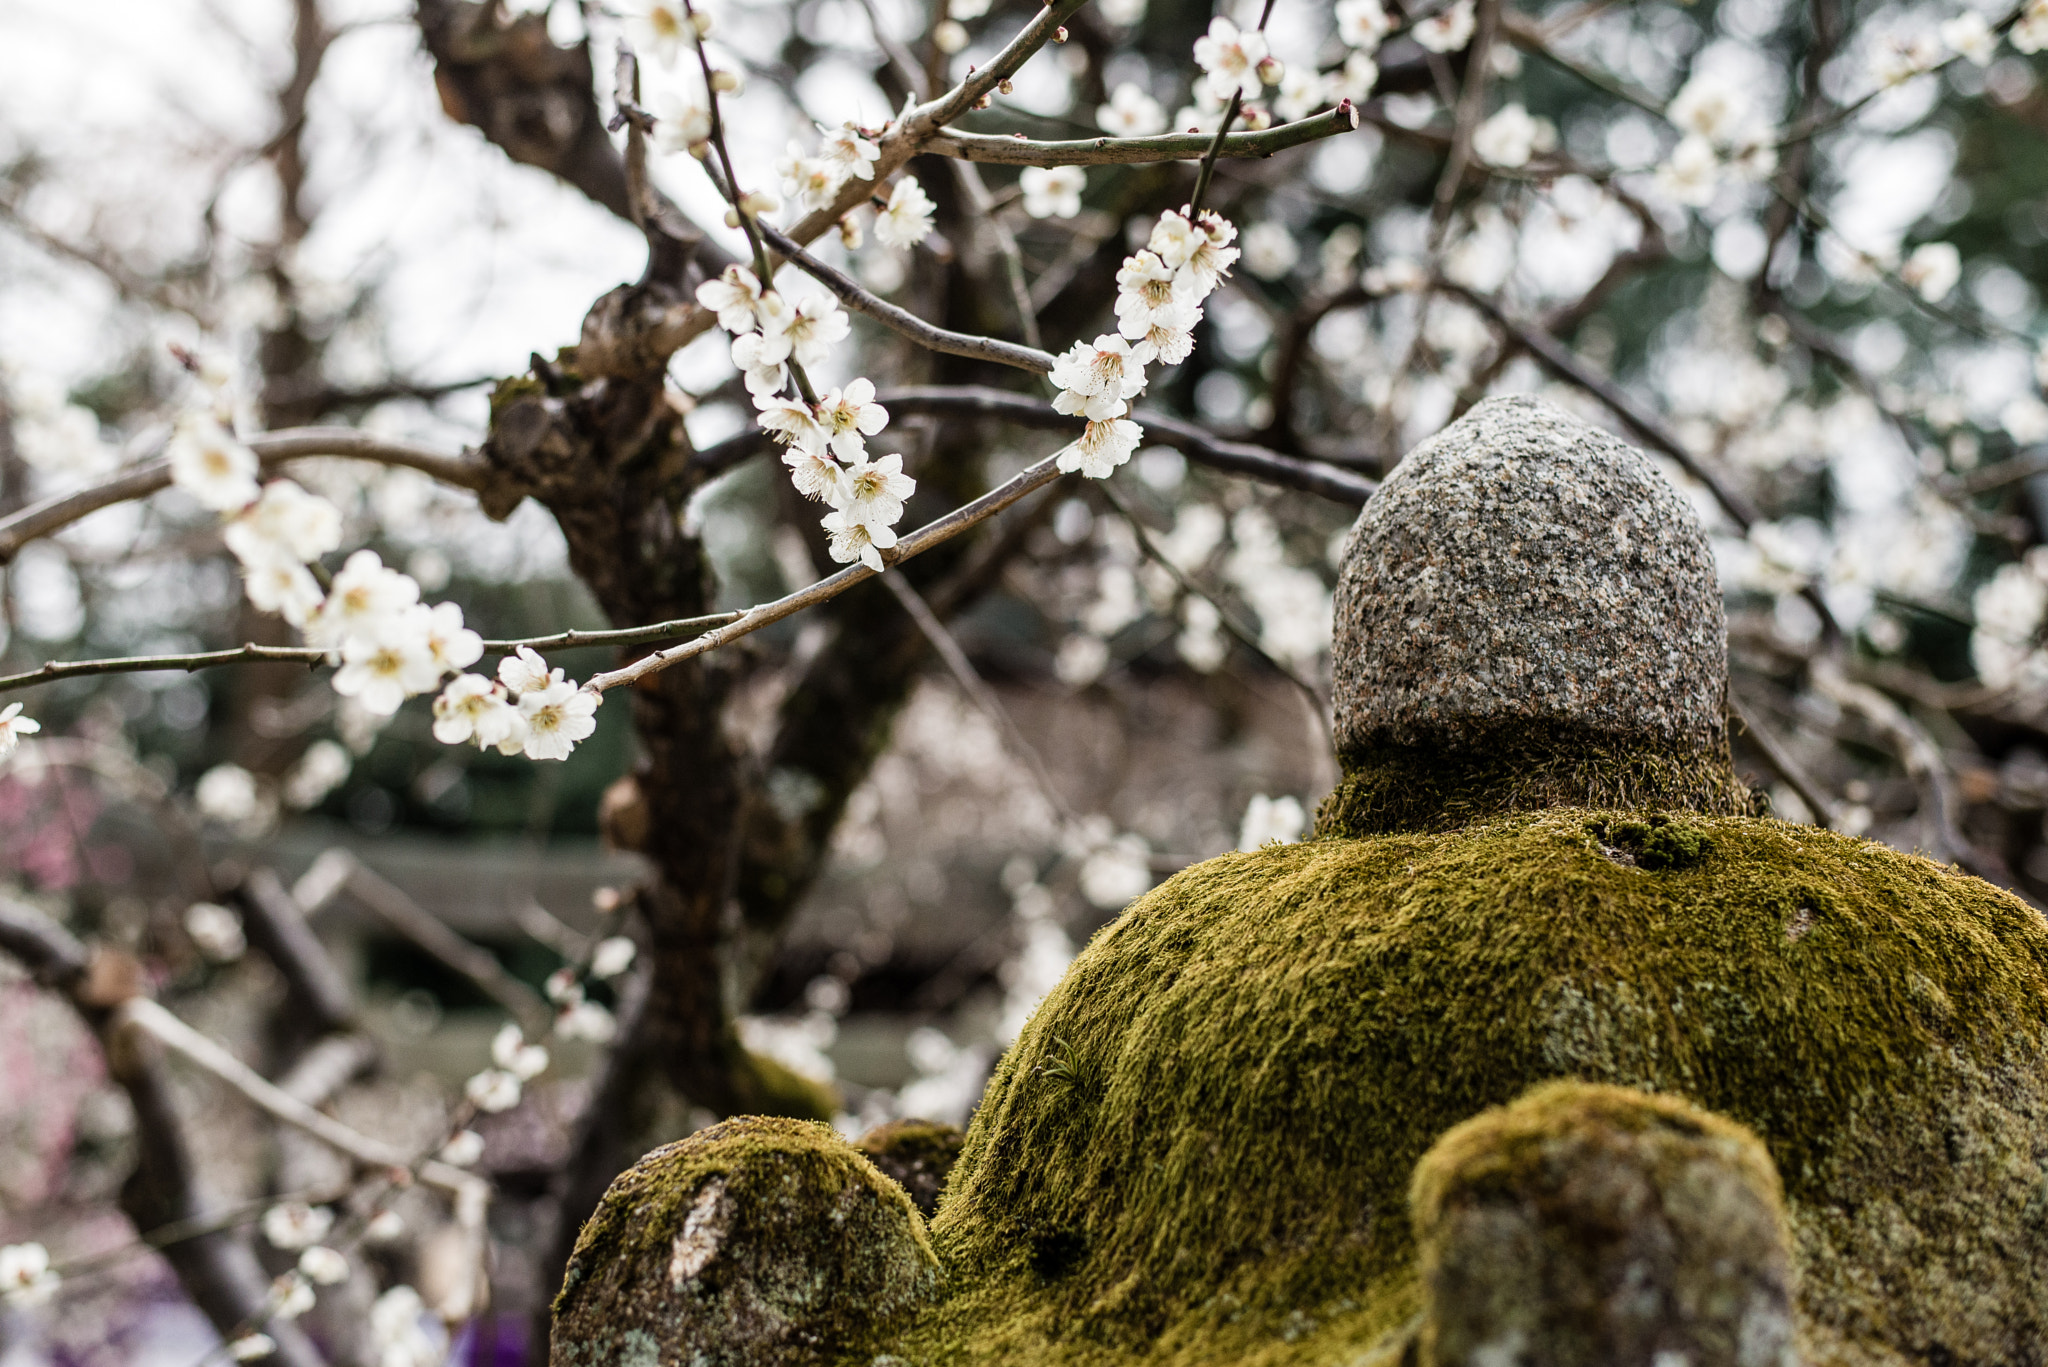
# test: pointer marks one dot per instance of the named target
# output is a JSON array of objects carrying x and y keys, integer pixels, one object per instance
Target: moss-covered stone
[
  {"x": 1389, "y": 788},
  {"x": 1592, "y": 1226},
  {"x": 1199, "y": 1150},
  {"x": 756, "y": 1241},
  {"x": 917, "y": 1155}
]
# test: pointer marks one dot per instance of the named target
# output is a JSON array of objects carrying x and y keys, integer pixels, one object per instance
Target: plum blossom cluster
[
  {"x": 26, "y": 1278},
  {"x": 1159, "y": 300},
  {"x": 398, "y": 1336},
  {"x": 1724, "y": 136},
  {"x": 528, "y": 709},
  {"x": 824, "y": 439},
  {"x": 386, "y": 644}
]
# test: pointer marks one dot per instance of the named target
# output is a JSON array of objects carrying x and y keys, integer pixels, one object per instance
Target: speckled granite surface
[{"x": 1522, "y": 566}]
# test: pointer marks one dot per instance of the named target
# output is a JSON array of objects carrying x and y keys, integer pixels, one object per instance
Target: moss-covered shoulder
[{"x": 1199, "y": 1149}]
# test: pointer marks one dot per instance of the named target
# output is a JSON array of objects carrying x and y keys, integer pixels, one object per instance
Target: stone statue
[{"x": 1544, "y": 1051}]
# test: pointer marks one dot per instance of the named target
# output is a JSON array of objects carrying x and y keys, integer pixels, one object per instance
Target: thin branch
[
  {"x": 1560, "y": 360},
  {"x": 901, "y": 320},
  {"x": 1022, "y": 151},
  {"x": 764, "y": 614},
  {"x": 977, "y": 688},
  {"x": 146, "y": 1016},
  {"x": 399, "y": 912},
  {"x": 1823, "y": 807},
  {"x": 271, "y": 448},
  {"x": 1201, "y": 447},
  {"x": 1319, "y": 707},
  {"x": 311, "y": 656}
]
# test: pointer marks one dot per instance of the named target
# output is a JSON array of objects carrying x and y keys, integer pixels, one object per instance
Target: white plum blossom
[
  {"x": 1108, "y": 366},
  {"x": 761, "y": 358},
  {"x": 493, "y": 1090},
  {"x": 682, "y": 120},
  {"x": 1448, "y": 30},
  {"x": 733, "y": 296},
  {"x": 1362, "y": 24},
  {"x": 1354, "y": 81},
  {"x": 849, "y": 416},
  {"x": 810, "y": 181},
  {"x": 613, "y": 956},
  {"x": 1933, "y": 270},
  {"x": 1970, "y": 37},
  {"x": 381, "y": 670},
  {"x": 385, "y": 1225},
  {"x": 402, "y": 1334},
  {"x": 472, "y": 708},
  {"x": 363, "y": 600},
  {"x": 852, "y": 155},
  {"x": 462, "y": 1149},
  {"x": 1302, "y": 92},
  {"x": 1717, "y": 109},
  {"x": 510, "y": 1051},
  {"x": 1901, "y": 57},
  {"x": 1230, "y": 58},
  {"x": 293, "y": 1225},
  {"x": 908, "y": 219},
  {"x": 793, "y": 423},
  {"x": 283, "y": 587},
  {"x": 323, "y": 1266},
  {"x": 853, "y": 540},
  {"x": 814, "y": 473},
  {"x": 13, "y": 726},
  {"x": 1146, "y": 287},
  {"x": 815, "y": 325},
  {"x": 26, "y": 1279},
  {"x": 1199, "y": 248},
  {"x": 873, "y": 491},
  {"x": 1270, "y": 251},
  {"x": 1052, "y": 191},
  {"x": 2030, "y": 34},
  {"x": 1171, "y": 336},
  {"x": 216, "y": 931},
  {"x": 211, "y": 464},
  {"x": 1692, "y": 174},
  {"x": 557, "y": 717},
  {"x": 1130, "y": 113},
  {"x": 284, "y": 524},
  {"x": 252, "y": 1347},
  {"x": 1507, "y": 139},
  {"x": 453, "y": 645},
  {"x": 291, "y": 1296},
  {"x": 1101, "y": 448},
  {"x": 658, "y": 28},
  {"x": 524, "y": 671},
  {"x": 586, "y": 1021}
]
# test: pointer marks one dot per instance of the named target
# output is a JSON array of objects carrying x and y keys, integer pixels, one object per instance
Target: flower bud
[
  {"x": 1271, "y": 70},
  {"x": 1059, "y": 35},
  {"x": 727, "y": 82}
]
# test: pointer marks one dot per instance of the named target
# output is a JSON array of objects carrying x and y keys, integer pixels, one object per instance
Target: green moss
[
  {"x": 1199, "y": 1150},
  {"x": 758, "y": 1240},
  {"x": 1391, "y": 788},
  {"x": 918, "y": 1155}
]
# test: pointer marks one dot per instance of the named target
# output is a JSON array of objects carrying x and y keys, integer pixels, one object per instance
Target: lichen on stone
[
  {"x": 756, "y": 1241},
  {"x": 1592, "y": 1226}
]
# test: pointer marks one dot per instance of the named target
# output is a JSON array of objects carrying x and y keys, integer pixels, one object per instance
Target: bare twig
[
  {"x": 398, "y": 911},
  {"x": 977, "y": 688},
  {"x": 271, "y": 448},
  {"x": 312, "y": 655},
  {"x": 1791, "y": 770},
  {"x": 147, "y": 1017},
  {"x": 1020, "y": 151},
  {"x": 901, "y": 320},
  {"x": 763, "y": 614}
]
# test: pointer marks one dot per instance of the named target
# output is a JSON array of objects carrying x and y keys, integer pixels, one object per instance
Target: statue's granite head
[{"x": 1527, "y": 615}]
